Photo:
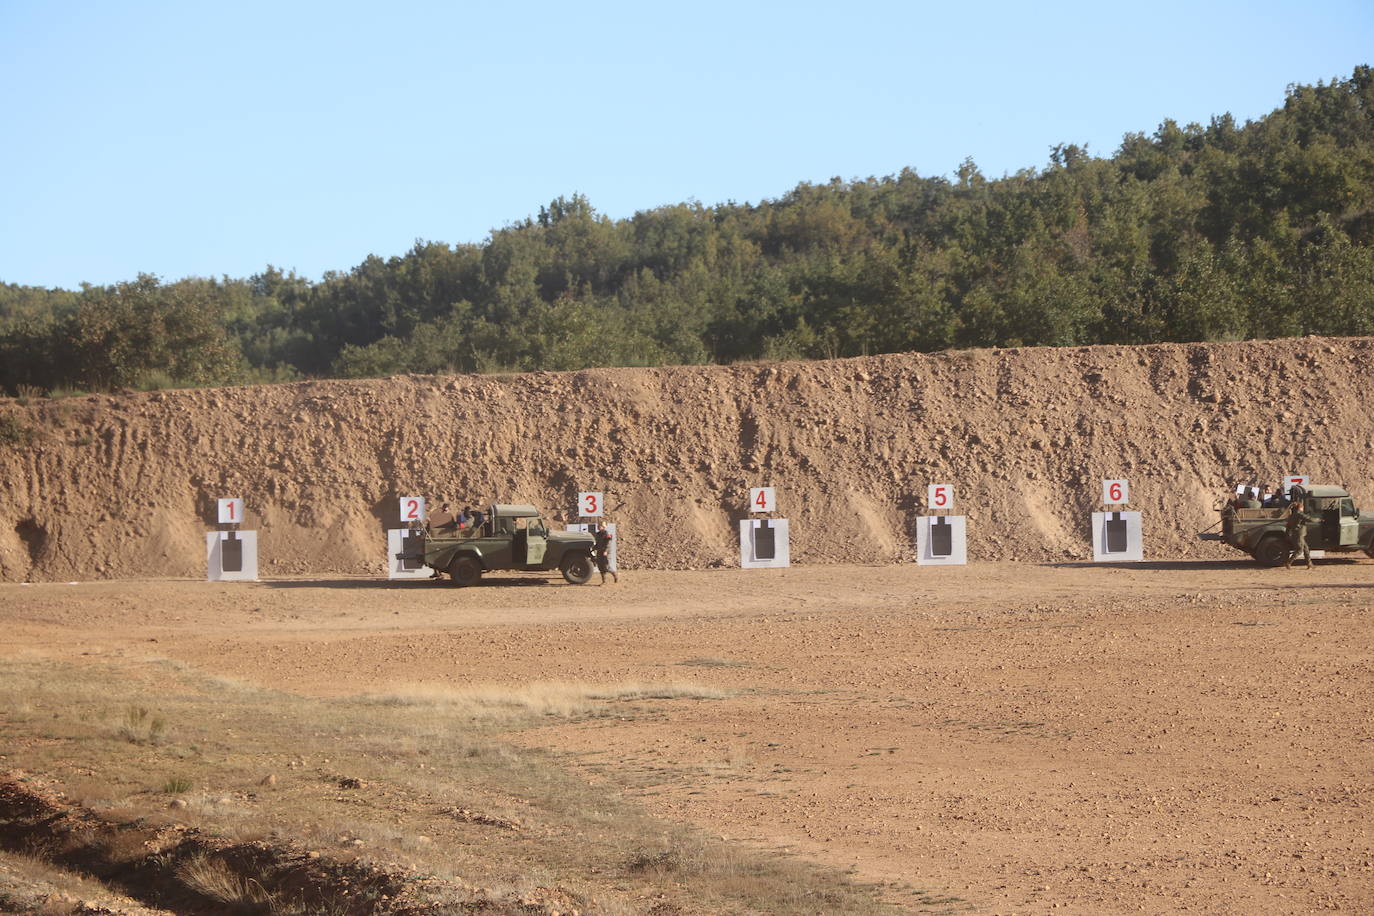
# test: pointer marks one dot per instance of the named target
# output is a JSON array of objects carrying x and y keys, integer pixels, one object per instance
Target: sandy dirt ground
[{"x": 1170, "y": 737}]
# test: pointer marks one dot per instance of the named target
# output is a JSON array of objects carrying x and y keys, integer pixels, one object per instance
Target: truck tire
[
  {"x": 465, "y": 570},
  {"x": 577, "y": 568},
  {"x": 1272, "y": 550}
]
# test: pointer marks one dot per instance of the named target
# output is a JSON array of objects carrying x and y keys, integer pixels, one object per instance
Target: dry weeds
[{"x": 125, "y": 734}]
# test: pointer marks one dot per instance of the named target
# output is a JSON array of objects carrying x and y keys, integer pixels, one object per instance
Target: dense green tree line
[{"x": 1194, "y": 232}]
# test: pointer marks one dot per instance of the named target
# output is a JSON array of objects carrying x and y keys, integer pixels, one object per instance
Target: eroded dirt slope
[{"x": 125, "y": 485}]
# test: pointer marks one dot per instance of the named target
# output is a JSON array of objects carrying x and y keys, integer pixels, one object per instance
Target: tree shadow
[
  {"x": 1177, "y": 565},
  {"x": 412, "y": 584}
]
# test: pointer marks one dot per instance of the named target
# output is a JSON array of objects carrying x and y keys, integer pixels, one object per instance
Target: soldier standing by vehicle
[
  {"x": 1296, "y": 524},
  {"x": 600, "y": 548}
]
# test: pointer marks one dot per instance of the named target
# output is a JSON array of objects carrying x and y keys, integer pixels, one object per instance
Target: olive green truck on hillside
[
  {"x": 1262, "y": 533},
  {"x": 511, "y": 537}
]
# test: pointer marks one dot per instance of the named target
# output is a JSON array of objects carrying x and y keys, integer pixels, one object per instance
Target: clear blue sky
[{"x": 186, "y": 138}]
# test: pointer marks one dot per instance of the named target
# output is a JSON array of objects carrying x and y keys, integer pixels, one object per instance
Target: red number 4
[{"x": 762, "y": 501}]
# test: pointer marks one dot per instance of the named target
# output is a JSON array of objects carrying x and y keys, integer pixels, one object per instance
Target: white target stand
[
  {"x": 764, "y": 543},
  {"x": 1117, "y": 534},
  {"x": 231, "y": 555},
  {"x": 409, "y": 539},
  {"x": 590, "y": 527},
  {"x": 941, "y": 539}
]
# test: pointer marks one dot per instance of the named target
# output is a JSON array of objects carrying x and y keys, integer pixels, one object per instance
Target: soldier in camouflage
[{"x": 1296, "y": 524}]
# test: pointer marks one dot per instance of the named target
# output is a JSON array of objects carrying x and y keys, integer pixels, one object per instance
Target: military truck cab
[{"x": 512, "y": 536}]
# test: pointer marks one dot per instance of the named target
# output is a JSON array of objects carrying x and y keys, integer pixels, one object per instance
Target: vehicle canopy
[
  {"x": 1325, "y": 491},
  {"x": 511, "y": 510}
]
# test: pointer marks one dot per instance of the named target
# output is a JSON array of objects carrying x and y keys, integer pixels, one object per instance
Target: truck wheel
[
  {"x": 465, "y": 570},
  {"x": 1272, "y": 550},
  {"x": 576, "y": 568}
]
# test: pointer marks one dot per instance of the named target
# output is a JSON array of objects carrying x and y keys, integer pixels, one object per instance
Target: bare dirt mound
[{"x": 124, "y": 485}]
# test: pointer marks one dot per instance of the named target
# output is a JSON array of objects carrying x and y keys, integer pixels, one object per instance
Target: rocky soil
[{"x": 124, "y": 485}]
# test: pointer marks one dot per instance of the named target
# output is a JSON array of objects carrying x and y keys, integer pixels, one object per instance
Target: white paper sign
[
  {"x": 401, "y": 540},
  {"x": 764, "y": 543},
  {"x": 941, "y": 541},
  {"x": 591, "y": 505},
  {"x": 1117, "y": 537},
  {"x": 1115, "y": 492},
  {"x": 231, "y": 511},
  {"x": 762, "y": 499},
  {"x": 1295, "y": 480},
  {"x": 940, "y": 497},
  {"x": 615, "y": 540},
  {"x": 412, "y": 510},
  {"x": 231, "y": 556}
]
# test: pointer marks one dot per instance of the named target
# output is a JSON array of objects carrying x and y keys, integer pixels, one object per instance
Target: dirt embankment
[{"x": 124, "y": 485}]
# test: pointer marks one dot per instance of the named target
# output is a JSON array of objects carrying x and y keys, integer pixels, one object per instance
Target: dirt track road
[{"x": 1191, "y": 736}]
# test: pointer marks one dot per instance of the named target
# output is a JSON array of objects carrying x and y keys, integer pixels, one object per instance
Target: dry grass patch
[
  {"x": 378, "y": 779},
  {"x": 556, "y": 699}
]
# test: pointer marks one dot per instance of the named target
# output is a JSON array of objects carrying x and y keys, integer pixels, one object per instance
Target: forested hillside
[{"x": 1197, "y": 232}]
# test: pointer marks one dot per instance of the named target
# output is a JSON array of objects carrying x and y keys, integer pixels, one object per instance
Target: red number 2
[{"x": 414, "y": 508}]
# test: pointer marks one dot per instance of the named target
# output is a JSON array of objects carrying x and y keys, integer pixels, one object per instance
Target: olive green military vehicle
[
  {"x": 1340, "y": 527},
  {"x": 510, "y": 537}
]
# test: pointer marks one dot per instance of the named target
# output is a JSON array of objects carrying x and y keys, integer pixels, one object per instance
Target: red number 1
[{"x": 231, "y": 510}]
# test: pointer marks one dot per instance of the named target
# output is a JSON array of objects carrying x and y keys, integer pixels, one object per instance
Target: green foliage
[
  {"x": 1192, "y": 232},
  {"x": 13, "y": 431}
]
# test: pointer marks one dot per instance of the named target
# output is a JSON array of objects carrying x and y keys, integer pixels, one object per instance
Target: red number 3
[{"x": 591, "y": 504}]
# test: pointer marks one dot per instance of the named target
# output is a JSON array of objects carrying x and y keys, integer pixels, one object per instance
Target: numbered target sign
[
  {"x": 1296, "y": 480},
  {"x": 1115, "y": 492},
  {"x": 762, "y": 499},
  {"x": 412, "y": 509},
  {"x": 231, "y": 511},
  {"x": 940, "y": 496},
  {"x": 591, "y": 505}
]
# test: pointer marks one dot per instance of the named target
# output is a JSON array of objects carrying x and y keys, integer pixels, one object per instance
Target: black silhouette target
[
  {"x": 413, "y": 543},
  {"x": 941, "y": 537},
  {"x": 765, "y": 541},
  {"x": 1116, "y": 540},
  {"x": 231, "y": 553}
]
